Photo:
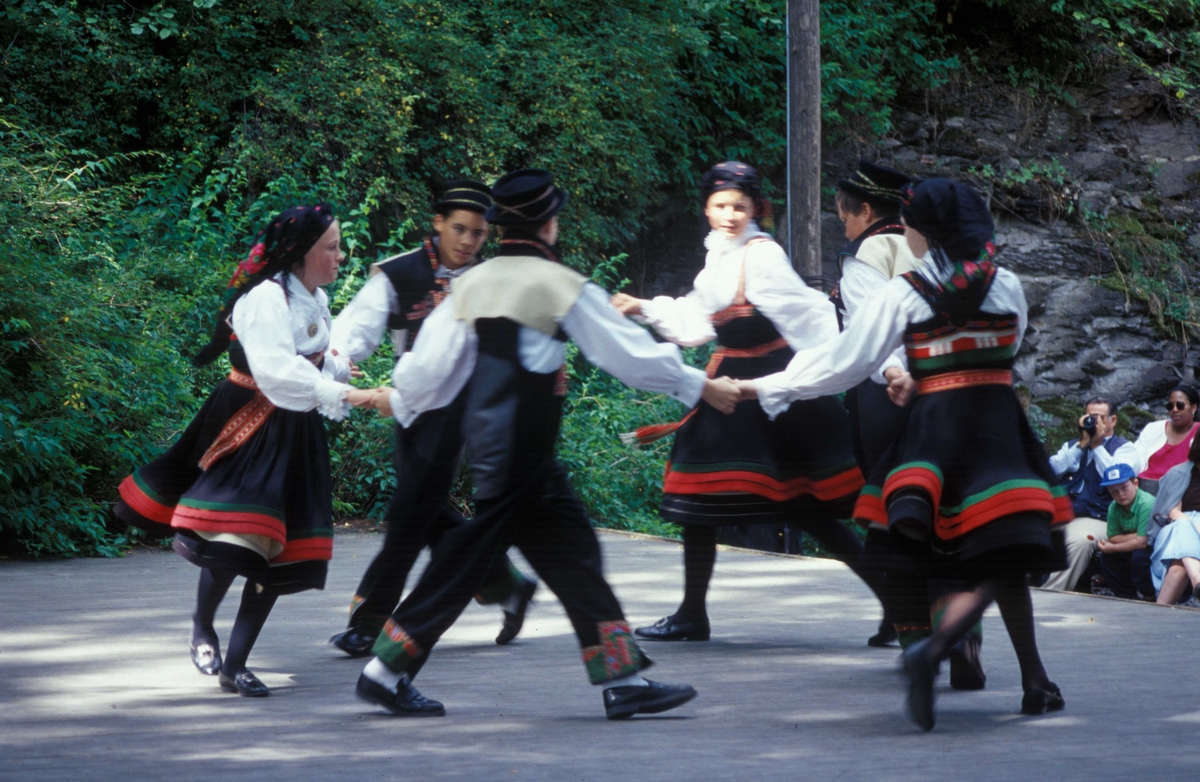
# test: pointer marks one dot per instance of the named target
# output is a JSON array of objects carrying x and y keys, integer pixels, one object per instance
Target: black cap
[
  {"x": 731, "y": 175},
  {"x": 524, "y": 197},
  {"x": 950, "y": 215},
  {"x": 873, "y": 182},
  {"x": 464, "y": 194}
]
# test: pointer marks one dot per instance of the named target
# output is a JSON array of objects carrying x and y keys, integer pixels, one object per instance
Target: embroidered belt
[
  {"x": 242, "y": 379},
  {"x": 964, "y": 379},
  {"x": 755, "y": 352}
]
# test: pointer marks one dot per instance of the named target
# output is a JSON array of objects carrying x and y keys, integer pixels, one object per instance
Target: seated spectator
[
  {"x": 1164, "y": 444},
  {"x": 1128, "y": 517},
  {"x": 1174, "y": 531},
  {"x": 1081, "y": 464}
]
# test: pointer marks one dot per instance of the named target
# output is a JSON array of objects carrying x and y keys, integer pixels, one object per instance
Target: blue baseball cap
[{"x": 1117, "y": 474}]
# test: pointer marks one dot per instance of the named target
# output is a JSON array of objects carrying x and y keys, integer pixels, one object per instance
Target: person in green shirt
[{"x": 1124, "y": 555}]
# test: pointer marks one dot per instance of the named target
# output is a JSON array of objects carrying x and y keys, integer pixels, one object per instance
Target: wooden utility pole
[{"x": 804, "y": 137}]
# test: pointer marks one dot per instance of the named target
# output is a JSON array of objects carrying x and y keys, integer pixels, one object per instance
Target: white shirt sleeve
[
  {"x": 845, "y": 361},
  {"x": 1152, "y": 438},
  {"x": 804, "y": 316},
  {"x": 684, "y": 321},
  {"x": 1126, "y": 454},
  {"x": 263, "y": 325},
  {"x": 438, "y": 367},
  {"x": 859, "y": 285},
  {"x": 612, "y": 343},
  {"x": 336, "y": 367},
  {"x": 1066, "y": 460},
  {"x": 358, "y": 329}
]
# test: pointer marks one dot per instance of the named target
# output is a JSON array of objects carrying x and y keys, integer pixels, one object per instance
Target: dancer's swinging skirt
[{"x": 261, "y": 508}]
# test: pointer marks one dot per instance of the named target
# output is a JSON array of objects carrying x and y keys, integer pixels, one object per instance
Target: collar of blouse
[{"x": 718, "y": 244}]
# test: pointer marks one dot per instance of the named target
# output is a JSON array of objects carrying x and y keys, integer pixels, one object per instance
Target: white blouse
[
  {"x": 859, "y": 285},
  {"x": 277, "y": 332},
  {"x": 432, "y": 374},
  {"x": 358, "y": 329},
  {"x": 844, "y": 362},
  {"x": 803, "y": 316}
]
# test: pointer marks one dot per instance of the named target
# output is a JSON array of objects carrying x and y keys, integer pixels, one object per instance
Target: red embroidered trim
[
  {"x": 871, "y": 509},
  {"x": 242, "y": 379},
  {"x": 965, "y": 379},
  {"x": 238, "y": 429},
  {"x": 915, "y": 477},
  {"x": 757, "y": 351}
]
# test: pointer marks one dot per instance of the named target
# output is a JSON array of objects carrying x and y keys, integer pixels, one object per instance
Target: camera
[{"x": 1089, "y": 425}]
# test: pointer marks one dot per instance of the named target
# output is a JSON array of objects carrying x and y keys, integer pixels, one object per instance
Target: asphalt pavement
[{"x": 96, "y": 684}]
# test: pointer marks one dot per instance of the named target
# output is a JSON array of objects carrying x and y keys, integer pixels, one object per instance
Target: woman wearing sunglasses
[{"x": 1164, "y": 444}]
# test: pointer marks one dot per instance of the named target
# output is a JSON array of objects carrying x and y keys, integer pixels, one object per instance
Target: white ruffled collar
[{"x": 719, "y": 243}]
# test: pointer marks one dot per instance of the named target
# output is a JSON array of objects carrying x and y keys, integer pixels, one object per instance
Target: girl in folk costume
[
  {"x": 246, "y": 489},
  {"x": 966, "y": 487},
  {"x": 743, "y": 468}
]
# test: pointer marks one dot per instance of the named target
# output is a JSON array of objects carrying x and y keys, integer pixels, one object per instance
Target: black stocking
[
  {"x": 699, "y": 557},
  {"x": 213, "y": 586},
  {"x": 252, "y": 615},
  {"x": 1016, "y": 607},
  {"x": 963, "y": 610}
]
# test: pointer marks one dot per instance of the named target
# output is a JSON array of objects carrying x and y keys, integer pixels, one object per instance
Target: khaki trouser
[{"x": 1080, "y": 551}]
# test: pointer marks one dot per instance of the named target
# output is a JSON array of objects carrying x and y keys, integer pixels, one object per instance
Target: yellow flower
[
  {"x": 1181, "y": 94},
  {"x": 1120, "y": 44},
  {"x": 358, "y": 90}
]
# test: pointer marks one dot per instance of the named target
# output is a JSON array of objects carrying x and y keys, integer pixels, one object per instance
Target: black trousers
[
  {"x": 426, "y": 461},
  {"x": 548, "y": 523},
  {"x": 1128, "y": 573}
]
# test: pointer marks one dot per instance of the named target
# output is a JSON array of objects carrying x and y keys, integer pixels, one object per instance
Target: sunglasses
[{"x": 1176, "y": 406}]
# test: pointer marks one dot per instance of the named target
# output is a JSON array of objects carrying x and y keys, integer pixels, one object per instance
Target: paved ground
[{"x": 95, "y": 684}]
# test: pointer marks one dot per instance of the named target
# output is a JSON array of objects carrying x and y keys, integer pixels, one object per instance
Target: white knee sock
[
  {"x": 632, "y": 680},
  {"x": 379, "y": 673}
]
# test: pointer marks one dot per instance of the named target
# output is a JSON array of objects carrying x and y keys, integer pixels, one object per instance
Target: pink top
[{"x": 1167, "y": 457}]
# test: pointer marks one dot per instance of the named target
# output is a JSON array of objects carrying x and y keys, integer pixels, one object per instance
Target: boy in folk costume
[
  {"x": 401, "y": 293},
  {"x": 868, "y": 203},
  {"x": 499, "y": 342}
]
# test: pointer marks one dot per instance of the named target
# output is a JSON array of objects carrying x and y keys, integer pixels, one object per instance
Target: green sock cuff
[
  {"x": 395, "y": 648},
  {"x": 502, "y": 587},
  {"x": 616, "y": 655}
]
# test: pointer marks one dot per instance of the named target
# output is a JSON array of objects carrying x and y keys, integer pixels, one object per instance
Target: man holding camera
[{"x": 1081, "y": 464}]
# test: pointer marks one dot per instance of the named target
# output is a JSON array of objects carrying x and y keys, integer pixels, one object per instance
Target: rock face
[{"x": 1050, "y": 172}]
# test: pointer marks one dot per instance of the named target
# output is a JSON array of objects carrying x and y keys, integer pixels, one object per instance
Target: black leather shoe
[
  {"x": 621, "y": 703},
  {"x": 1041, "y": 700},
  {"x": 206, "y": 656},
  {"x": 354, "y": 643},
  {"x": 886, "y": 636},
  {"x": 966, "y": 669},
  {"x": 921, "y": 671},
  {"x": 243, "y": 683},
  {"x": 405, "y": 701},
  {"x": 667, "y": 629},
  {"x": 514, "y": 621}
]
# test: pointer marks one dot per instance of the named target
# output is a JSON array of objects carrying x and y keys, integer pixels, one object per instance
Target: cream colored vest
[{"x": 531, "y": 291}]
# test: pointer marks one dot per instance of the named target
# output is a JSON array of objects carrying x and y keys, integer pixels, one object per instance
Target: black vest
[
  {"x": 512, "y": 415},
  {"x": 418, "y": 291}
]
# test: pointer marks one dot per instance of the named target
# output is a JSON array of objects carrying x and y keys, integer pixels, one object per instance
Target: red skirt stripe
[
  {"x": 747, "y": 482},
  {"x": 1005, "y": 503},
  {"x": 142, "y": 504},
  {"x": 233, "y": 522},
  {"x": 300, "y": 550},
  {"x": 870, "y": 509},
  {"x": 915, "y": 477}
]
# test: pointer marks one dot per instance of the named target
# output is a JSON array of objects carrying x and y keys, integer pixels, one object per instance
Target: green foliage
[{"x": 1063, "y": 41}]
